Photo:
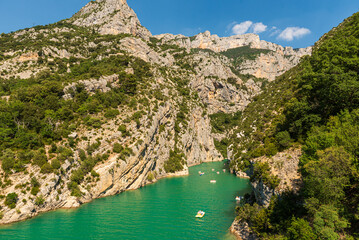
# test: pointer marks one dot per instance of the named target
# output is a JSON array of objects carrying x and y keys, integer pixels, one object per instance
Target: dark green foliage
[
  {"x": 122, "y": 128},
  {"x": 241, "y": 54},
  {"x": 93, "y": 147},
  {"x": 8, "y": 161},
  {"x": 117, "y": 148},
  {"x": 322, "y": 113},
  {"x": 175, "y": 161},
  {"x": 327, "y": 223},
  {"x": 39, "y": 200},
  {"x": 82, "y": 154},
  {"x": 222, "y": 146},
  {"x": 46, "y": 168},
  {"x": 283, "y": 139},
  {"x": 125, "y": 153},
  {"x": 11, "y": 200},
  {"x": 64, "y": 153},
  {"x": 222, "y": 121},
  {"x": 261, "y": 173},
  {"x": 55, "y": 164},
  {"x": 300, "y": 230},
  {"x": 77, "y": 176},
  {"x": 327, "y": 178},
  {"x": 276, "y": 218},
  {"x": 74, "y": 188},
  {"x": 39, "y": 158},
  {"x": 112, "y": 113},
  {"x": 329, "y": 82},
  {"x": 94, "y": 173},
  {"x": 35, "y": 186}
]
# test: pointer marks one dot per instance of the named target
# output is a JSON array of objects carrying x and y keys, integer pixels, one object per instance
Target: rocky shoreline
[
  {"x": 285, "y": 166},
  {"x": 73, "y": 202}
]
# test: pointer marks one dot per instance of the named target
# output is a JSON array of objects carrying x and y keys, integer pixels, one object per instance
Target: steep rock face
[
  {"x": 115, "y": 174},
  {"x": 285, "y": 166},
  {"x": 206, "y": 40},
  {"x": 268, "y": 65},
  {"x": 242, "y": 231},
  {"x": 110, "y": 17}
]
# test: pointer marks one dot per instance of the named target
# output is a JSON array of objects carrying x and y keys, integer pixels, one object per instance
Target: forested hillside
[{"x": 315, "y": 106}]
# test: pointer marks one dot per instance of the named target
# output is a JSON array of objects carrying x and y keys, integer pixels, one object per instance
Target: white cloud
[
  {"x": 242, "y": 27},
  {"x": 274, "y": 31},
  {"x": 290, "y": 33},
  {"x": 259, "y": 27}
]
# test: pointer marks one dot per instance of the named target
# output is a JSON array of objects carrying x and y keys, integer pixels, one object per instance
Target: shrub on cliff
[
  {"x": 175, "y": 162},
  {"x": 11, "y": 200}
]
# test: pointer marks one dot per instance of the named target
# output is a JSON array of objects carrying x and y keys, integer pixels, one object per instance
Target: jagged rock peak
[
  {"x": 206, "y": 40},
  {"x": 110, "y": 17}
]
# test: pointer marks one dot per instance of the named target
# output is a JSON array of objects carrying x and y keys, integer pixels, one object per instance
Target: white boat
[
  {"x": 200, "y": 214},
  {"x": 224, "y": 170},
  {"x": 238, "y": 198},
  {"x": 217, "y": 172},
  {"x": 213, "y": 181},
  {"x": 212, "y": 170}
]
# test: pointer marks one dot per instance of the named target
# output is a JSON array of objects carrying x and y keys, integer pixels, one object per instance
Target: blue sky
[{"x": 297, "y": 23}]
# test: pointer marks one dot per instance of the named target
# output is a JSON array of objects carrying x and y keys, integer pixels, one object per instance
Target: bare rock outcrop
[
  {"x": 110, "y": 17},
  {"x": 285, "y": 166},
  {"x": 241, "y": 230}
]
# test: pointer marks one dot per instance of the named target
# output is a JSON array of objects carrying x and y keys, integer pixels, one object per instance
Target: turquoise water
[{"x": 164, "y": 210}]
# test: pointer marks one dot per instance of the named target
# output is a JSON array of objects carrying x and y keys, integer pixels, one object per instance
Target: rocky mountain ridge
[{"x": 267, "y": 65}]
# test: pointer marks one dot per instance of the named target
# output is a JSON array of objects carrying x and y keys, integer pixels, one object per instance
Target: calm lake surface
[{"x": 164, "y": 210}]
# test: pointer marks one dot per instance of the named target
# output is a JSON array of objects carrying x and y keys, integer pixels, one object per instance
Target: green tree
[
  {"x": 300, "y": 230},
  {"x": 327, "y": 178},
  {"x": 328, "y": 224}
]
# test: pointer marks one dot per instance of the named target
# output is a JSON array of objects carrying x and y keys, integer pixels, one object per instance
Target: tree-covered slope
[{"x": 314, "y": 105}]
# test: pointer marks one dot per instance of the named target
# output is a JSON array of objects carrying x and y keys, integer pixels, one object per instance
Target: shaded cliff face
[
  {"x": 110, "y": 17},
  {"x": 125, "y": 109}
]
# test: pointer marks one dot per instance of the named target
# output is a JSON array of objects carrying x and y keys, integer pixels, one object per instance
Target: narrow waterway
[{"x": 164, "y": 210}]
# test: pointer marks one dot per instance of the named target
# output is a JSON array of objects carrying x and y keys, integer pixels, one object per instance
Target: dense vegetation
[
  {"x": 244, "y": 53},
  {"x": 322, "y": 114}
]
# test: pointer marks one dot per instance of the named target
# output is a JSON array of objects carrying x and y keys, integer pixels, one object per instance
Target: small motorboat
[
  {"x": 224, "y": 170},
  {"x": 213, "y": 181},
  {"x": 217, "y": 172},
  {"x": 212, "y": 170},
  {"x": 200, "y": 214},
  {"x": 201, "y": 173},
  {"x": 238, "y": 198}
]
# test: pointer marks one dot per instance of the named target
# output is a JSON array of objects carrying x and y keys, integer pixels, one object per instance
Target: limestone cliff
[
  {"x": 110, "y": 17},
  {"x": 266, "y": 65}
]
